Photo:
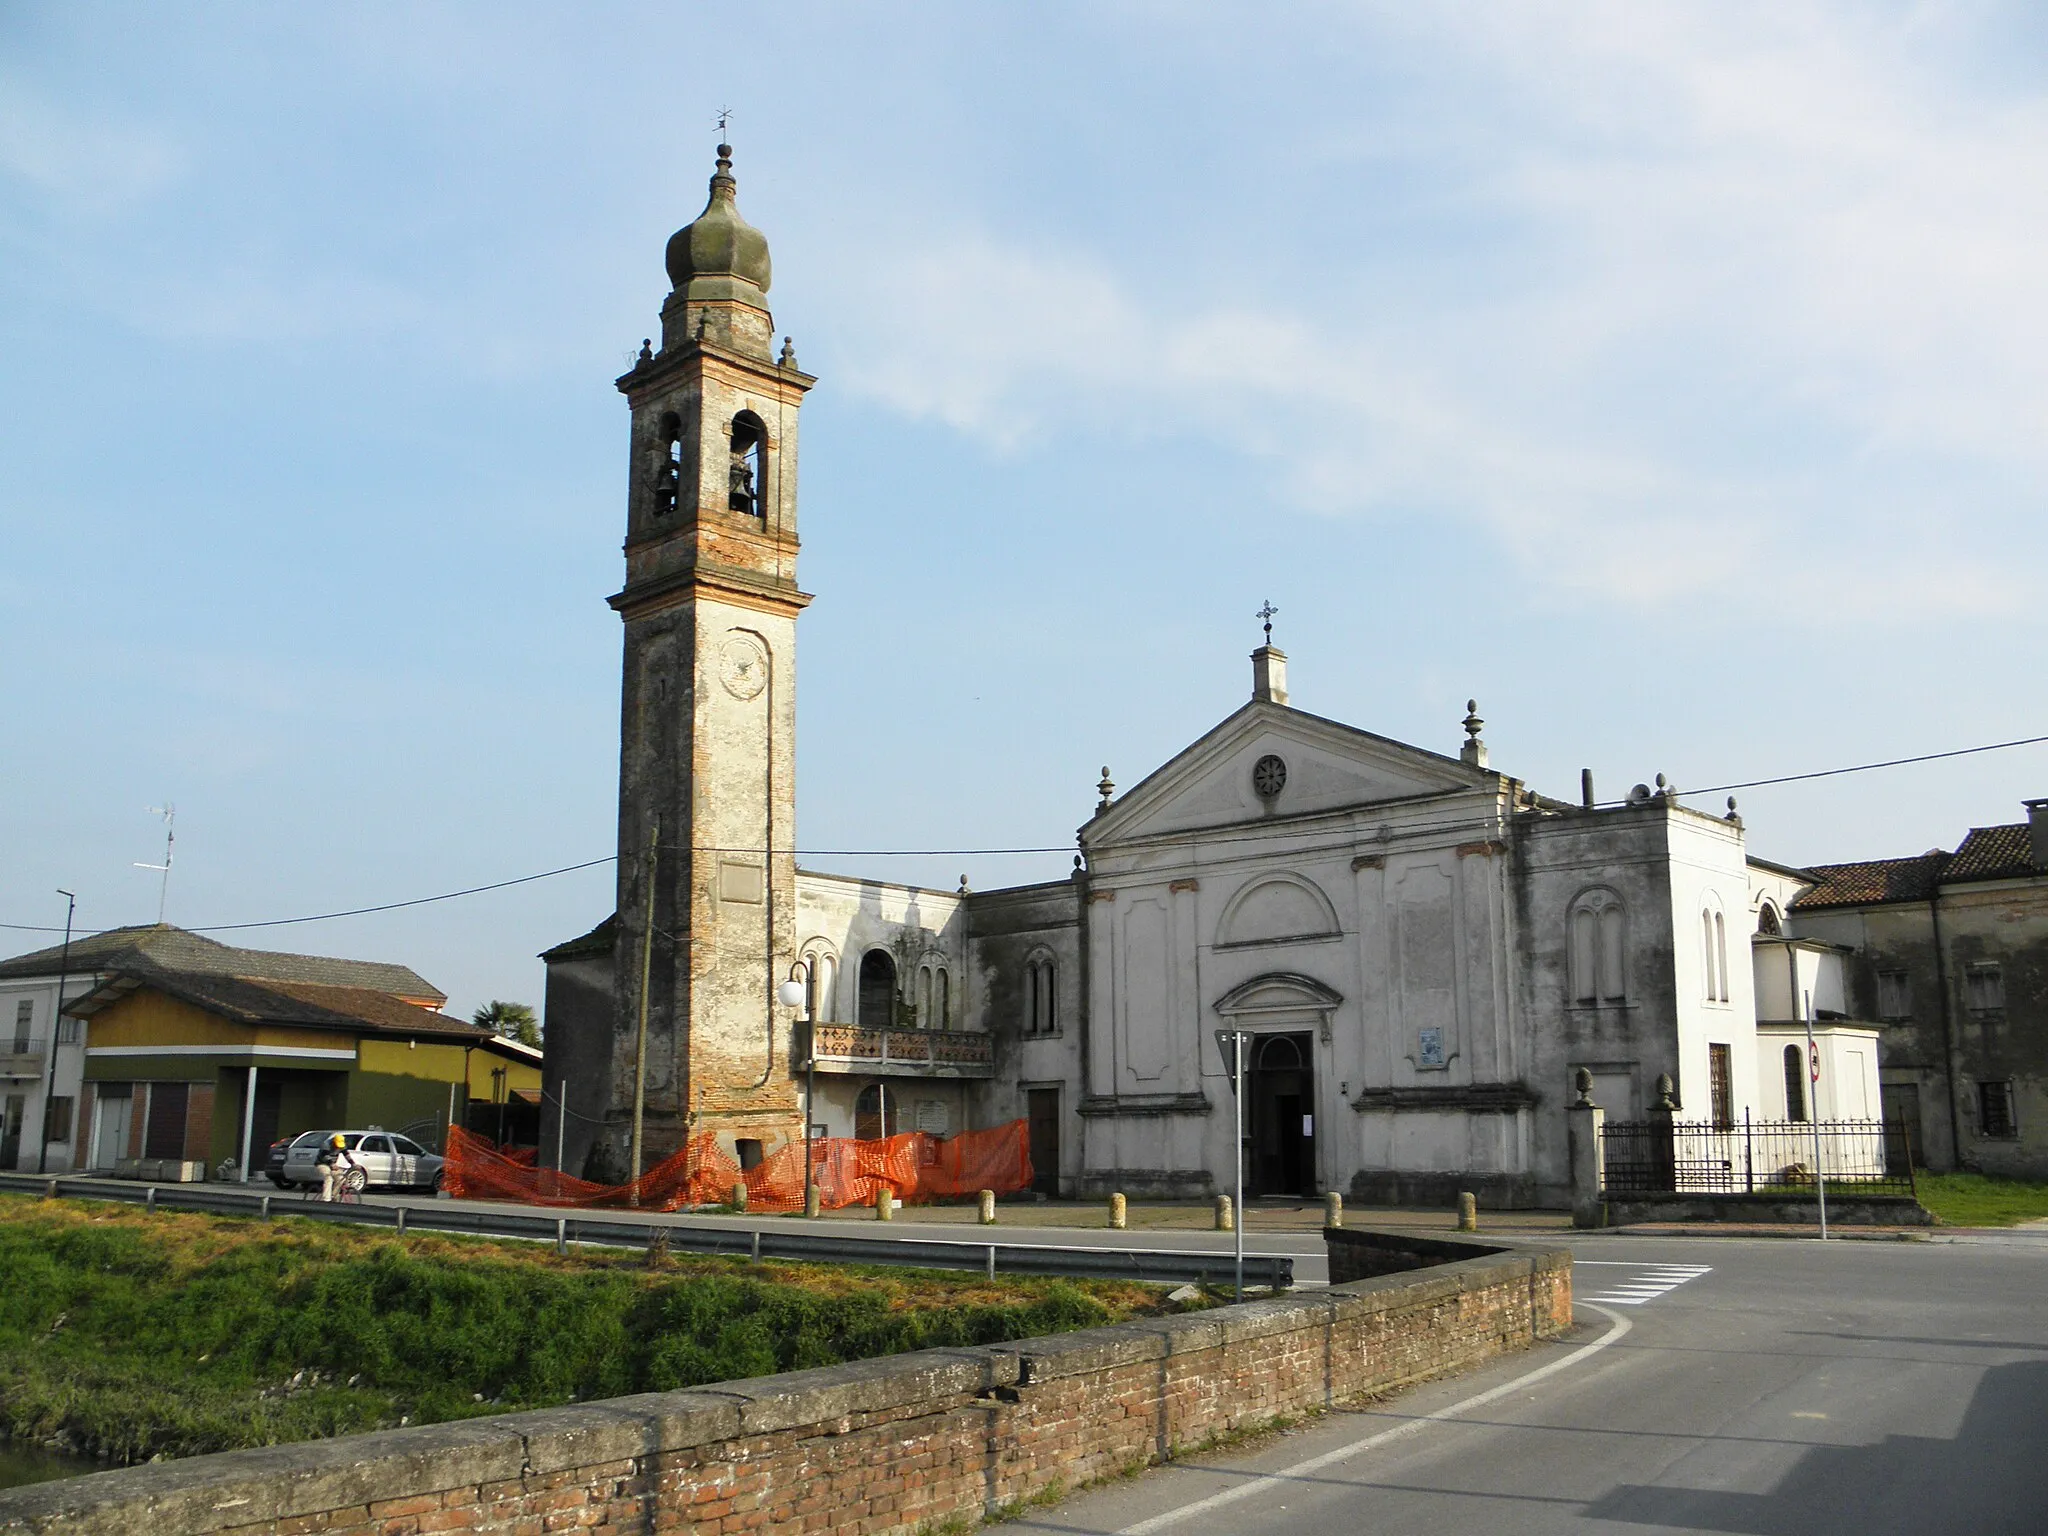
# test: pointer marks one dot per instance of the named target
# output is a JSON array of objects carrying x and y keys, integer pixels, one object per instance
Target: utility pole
[
  {"x": 1820, "y": 1177},
  {"x": 50, "y": 1051},
  {"x": 640, "y": 1036},
  {"x": 1237, "y": 1149}
]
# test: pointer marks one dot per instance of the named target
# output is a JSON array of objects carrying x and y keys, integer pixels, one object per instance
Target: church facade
[{"x": 1421, "y": 949}]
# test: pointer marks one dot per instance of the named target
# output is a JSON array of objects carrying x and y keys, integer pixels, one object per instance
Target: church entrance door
[{"x": 1280, "y": 1133}]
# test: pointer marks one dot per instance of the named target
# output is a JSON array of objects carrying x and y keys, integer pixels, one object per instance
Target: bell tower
[{"x": 707, "y": 790}]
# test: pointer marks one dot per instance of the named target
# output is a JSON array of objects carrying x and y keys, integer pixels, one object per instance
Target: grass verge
[
  {"x": 1974, "y": 1200},
  {"x": 130, "y": 1335}
]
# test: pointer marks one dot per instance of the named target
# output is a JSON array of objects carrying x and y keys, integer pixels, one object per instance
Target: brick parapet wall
[{"x": 875, "y": 1447}]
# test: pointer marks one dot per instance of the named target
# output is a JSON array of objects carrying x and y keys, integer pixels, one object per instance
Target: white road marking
[
  {"x": 1654, "y": 1280},
  {"x": 1254, "y": 1485}
]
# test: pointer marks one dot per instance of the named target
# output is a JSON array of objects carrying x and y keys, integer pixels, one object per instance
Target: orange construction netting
[{"x": 914, "y": 1166}]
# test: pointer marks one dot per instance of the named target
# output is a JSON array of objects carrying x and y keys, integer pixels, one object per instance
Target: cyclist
[{"x": 335, "y": 1165}]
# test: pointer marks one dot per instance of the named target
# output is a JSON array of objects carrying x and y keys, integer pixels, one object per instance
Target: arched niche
[{"x": 1276, "y": 909}]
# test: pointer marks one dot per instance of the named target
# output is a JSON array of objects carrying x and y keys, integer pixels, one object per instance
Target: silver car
[{"x": 388, "y": 1160}]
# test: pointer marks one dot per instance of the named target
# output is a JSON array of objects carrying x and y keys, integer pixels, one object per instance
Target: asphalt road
[{"x": 1774, "y": 1387}]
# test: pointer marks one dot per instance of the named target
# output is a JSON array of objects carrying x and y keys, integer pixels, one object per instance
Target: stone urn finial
[
  {"x": 1583, "y": 1081},
  {"x": 1665, "y": 1090}
]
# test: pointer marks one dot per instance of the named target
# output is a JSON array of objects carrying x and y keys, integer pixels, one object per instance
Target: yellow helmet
[{"x": 337, "y": 1140}]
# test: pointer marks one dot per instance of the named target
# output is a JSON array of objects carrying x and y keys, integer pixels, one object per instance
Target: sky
[{"x": 1670, "y": 379}]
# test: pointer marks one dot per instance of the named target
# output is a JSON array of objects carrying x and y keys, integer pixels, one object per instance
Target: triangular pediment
[{"x": 1326, "y": 767}]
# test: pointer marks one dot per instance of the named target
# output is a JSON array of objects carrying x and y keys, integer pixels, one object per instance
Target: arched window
[
  {"x": 924, "y": 997},
  {"x": 1276, "y": 1053},
  {"x": 1795, "y": 1083},
  {"x": 942, "y": 999},
  {"x": 1041, "y": 996},
  {"x": 1714, "y": 954},
  {"x": 821, "y": 971},
  {"x": 1768, "y": 922},
  {"x": 877, "y": 1001},
  {"x": 668, "y": 465},
  {"x": 1599, "y": 948},
  {"x": 746, "y": 479}
]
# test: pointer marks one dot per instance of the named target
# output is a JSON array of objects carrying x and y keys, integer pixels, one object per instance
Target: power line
[
  {"x": 964, "y": 853},
  {"x": 1894, "y": 762}
]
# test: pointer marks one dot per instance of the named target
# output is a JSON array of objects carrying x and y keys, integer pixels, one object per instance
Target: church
[{"x": 1423, "y": 949}]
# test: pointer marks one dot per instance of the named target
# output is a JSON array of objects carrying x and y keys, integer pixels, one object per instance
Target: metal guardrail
[{"x": 1165, "y": 1267}]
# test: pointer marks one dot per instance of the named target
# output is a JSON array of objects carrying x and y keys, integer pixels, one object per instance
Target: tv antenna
[{"x": 169, "y": 812}]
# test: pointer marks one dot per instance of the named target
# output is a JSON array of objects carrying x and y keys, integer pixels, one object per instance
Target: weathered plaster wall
[
  {"x": 1005, "y": 931},
  {"x": 2000, "y": 922}
]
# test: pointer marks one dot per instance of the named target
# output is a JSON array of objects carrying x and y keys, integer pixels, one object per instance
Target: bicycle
[{"x": 348, "y": 1189}]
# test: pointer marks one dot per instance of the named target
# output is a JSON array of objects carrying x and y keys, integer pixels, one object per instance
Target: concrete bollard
[
  {"x": 885, "y": 1204},
  {"x": 1117, "y": 1212},
  {"x": 988, "y": 1208},
  {"x": 1468, "y": 1212},
  {"x": 814, "y": 1202},
  {"x": 1333, "y": 1209},
  {"x": 739, "y": 1194},
  {"x": 1226, "y": 1214}
]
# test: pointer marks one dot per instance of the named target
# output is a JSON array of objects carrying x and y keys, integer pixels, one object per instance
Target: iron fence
[{"x": 1778, "y": 1157}]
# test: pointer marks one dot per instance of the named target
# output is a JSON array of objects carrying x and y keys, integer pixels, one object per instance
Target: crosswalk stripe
[{"x": 1652, "y": 1281}]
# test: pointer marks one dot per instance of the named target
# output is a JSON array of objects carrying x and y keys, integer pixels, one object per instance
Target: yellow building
[{"x": 186, "y": 1068}]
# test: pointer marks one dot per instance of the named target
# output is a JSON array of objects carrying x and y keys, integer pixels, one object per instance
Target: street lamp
[{"x": 796, "y": 993}]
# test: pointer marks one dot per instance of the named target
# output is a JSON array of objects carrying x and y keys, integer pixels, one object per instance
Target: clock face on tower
[{"x": 742, "y": 665}]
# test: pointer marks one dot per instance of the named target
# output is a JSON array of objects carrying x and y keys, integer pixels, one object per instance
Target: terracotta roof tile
[
  {"x": 598, "y": 941},
  {"x": 1994, "y": 853},
  {"x": 304, "y": 1004},
  {"x": 174, "y": 949},
  {"x": 1873, "y": 881}
]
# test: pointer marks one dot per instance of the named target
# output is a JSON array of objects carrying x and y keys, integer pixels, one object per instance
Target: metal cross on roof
[
  {"x": 1267, "y": 613},
  {"x": 724, "y": 117}
]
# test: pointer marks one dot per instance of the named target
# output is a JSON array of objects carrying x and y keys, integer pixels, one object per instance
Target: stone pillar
[
  {"x": 988, "y": 1208},
  {"x": 1584, "y": 1121},
  {"x": 1226, "y": 1214},
  {"x": 885, "y": 1204},
  {"x": 1468, "y": 1212},
  {"x": 1116, "y": 1212},
  {"x": 1662, "y": 1153},
  {"x": 1333, "y": 1209}
]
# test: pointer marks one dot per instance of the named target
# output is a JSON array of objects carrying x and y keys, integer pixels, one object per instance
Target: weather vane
[
  {"x": 1267, "y": 613},
  {"x": 724, "y": 117}
]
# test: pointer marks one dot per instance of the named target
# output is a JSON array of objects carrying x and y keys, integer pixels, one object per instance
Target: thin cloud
[{"x": 1797, "y": 293}]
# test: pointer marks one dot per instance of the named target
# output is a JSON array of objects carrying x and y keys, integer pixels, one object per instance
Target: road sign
[
  {"x": 1813, "y": 1059},
  {"x": 1226, "y": 1047}
]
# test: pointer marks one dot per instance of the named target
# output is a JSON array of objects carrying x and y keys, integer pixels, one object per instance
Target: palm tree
[{"x": 515, "y": 1021}]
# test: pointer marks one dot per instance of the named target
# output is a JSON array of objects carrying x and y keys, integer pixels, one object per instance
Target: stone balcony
[
  {"x": 21, "y": 1058},
  {"x": 930, "y": 1053}
]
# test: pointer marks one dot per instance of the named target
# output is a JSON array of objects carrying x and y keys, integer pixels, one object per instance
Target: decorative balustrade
[{"x": 930, "y": 1052}]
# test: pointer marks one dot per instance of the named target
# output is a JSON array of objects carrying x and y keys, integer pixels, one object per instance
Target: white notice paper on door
[{"x": 1308, "y": 1125}]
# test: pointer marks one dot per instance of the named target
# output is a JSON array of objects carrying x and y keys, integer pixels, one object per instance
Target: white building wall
[{"x": 47, "y": 1033}]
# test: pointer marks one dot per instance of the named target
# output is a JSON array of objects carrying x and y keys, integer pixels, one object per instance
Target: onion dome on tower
[{"x": 718, "y": 266}]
